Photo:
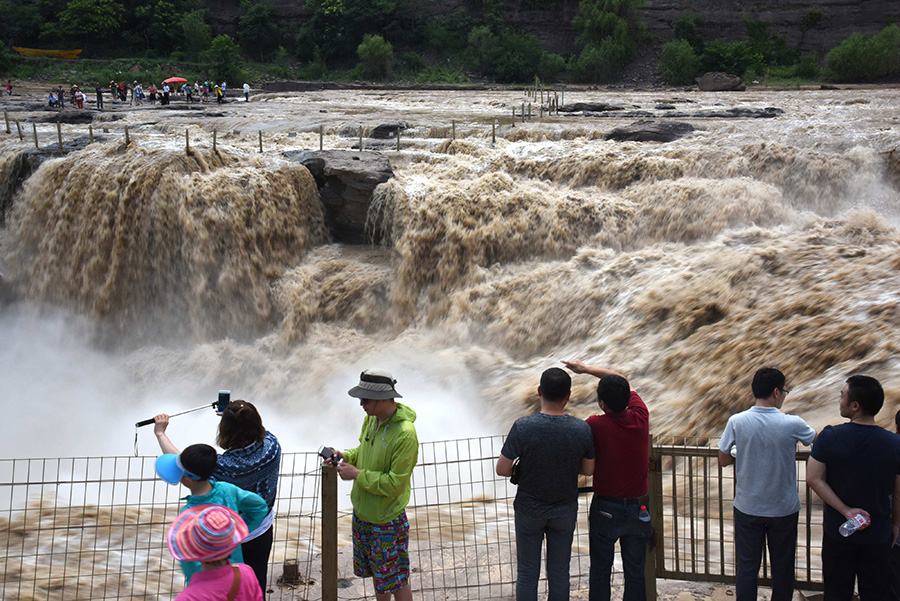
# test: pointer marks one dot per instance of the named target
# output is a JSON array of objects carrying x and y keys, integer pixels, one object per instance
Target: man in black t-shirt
[
  {"x": 855, "y": 469},
  {"x": 552, "y": 449}
]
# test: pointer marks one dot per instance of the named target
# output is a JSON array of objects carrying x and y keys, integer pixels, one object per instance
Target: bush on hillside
[
  {"x": 730, "y": 57},
  {"x": 600, "y": 64},
  {"x": 376, "y": 57},
  {"x": 866, "y": 58},
  {"x": 678, "y": 64}
]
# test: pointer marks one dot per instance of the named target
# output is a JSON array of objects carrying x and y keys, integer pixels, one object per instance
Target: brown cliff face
[{"x": 723, "y": 18}]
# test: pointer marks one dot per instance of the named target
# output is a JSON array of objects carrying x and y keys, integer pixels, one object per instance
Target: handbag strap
[{"x": 235, "y": 583}]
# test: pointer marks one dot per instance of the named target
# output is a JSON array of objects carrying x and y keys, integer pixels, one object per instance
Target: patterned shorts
[{"x": 382, "y": 552}]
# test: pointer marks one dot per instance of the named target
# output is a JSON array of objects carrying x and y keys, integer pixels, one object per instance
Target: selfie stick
[{"x": 219, "y": 406}]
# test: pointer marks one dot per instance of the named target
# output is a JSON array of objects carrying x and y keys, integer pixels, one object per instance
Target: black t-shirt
[
  {"x": 550, "y": 449},
  {"x": 861, "y": 466}
]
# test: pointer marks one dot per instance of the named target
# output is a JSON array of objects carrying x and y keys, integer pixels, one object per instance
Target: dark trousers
[
  {"x": 611, "y": 522},
  {"x": 895, "y": 573},
  {"x": 844, "y": 562},
  {"x": 530, "y": 535},
  {"x": 256, "y": 555},
  {"x": 751, "y": 532}
]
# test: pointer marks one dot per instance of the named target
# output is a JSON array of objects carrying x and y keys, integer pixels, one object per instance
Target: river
[{"x": 149, "y": 278}]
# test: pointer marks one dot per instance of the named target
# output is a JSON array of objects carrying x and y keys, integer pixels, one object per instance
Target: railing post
[
  {"x": 656, "y": 547},
  {"x": 321, "y": 137},
  {"x": 329, "y": 533}
]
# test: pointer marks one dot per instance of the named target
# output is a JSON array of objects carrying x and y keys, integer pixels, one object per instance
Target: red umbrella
[{"x": 175, "y": 80}]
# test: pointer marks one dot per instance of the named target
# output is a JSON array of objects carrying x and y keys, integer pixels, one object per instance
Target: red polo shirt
[{"x": 622, "y": 450}]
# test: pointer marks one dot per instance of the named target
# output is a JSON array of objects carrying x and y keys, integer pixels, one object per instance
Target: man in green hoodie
[{"x": 380, "y": 468}]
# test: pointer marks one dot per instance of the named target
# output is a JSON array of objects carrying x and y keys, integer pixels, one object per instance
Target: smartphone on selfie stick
[{"x": 219, "y": 405}]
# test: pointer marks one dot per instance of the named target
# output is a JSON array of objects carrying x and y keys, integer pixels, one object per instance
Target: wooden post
[
  {"x": 321, "y": 136},
  {"x": 260, "y": 140},
  {"x": 513, "y": 122},
  {"x": 34, "y": 129},
  {"x": 19, "y": 128},
  {"x": 398, "y": 139},
  {"x": 329, "y": 534},
  {"x": 127, "y": 139},
  {"x": 563, "y": 95},
  {"x": 493, "y": 131},
  {"x": 523, "y": 112},
  {"x": 541, "y": 112},
  {"x": 6, "y": 118},
  {"x": 59, "y": 134},
  {"x": 214, "y": 140},
  {"x": 187, "y": 141},
  {"x": 655, "y": 551},
  {"x": 529, "y": 110},
  {"x": 91, "y": 132},
  {"x": 453, "y": 130},
  {"x": 360, "y": 138}
]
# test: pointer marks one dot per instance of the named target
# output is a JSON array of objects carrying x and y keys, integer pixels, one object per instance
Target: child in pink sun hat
[{"x": 208, "y": 534}]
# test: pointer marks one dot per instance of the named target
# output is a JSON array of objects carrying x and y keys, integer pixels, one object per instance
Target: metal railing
[{"x": 94, "y": 528}]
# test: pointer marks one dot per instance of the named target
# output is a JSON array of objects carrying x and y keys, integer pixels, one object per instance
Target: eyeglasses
[
  {"x": 785, "y": 390},
  {"x": 367, "y": 401}
]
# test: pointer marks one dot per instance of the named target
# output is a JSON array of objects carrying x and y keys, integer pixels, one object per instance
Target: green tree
[
  {"x": 258, "y": 29},
  {"x": 866, "y": 58},
  {"x": 376, "y": 56},
  {"x": 20, "y": 23},
  {"x": 91, "y": 19},
  {"x": 158, "y": 23},
  {"x": 224, "y": 59},
  {"x": 678, "y": 64},
  {"x": 687, "y": 27},
  {"x": 608, "y": 32},
  {"x": 195, "y": 33},
  {"x": 731, "y": 57}
]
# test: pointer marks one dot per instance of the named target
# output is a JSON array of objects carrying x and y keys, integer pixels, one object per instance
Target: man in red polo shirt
[{"x": 619, "y": 507}]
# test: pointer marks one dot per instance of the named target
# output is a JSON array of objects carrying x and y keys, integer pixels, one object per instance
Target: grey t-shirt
[
  {"x": 765, "y": 469},
  {"x": 550, "y": 449}
]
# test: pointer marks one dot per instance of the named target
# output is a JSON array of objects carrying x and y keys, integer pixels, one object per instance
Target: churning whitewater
[{"x": 686, "y": 265}]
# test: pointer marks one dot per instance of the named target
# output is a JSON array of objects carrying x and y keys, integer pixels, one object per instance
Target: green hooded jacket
[{"x": 386, "y": 456}]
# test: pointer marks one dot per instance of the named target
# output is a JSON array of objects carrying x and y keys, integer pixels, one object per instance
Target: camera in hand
[{"x": 328, "y": 454}]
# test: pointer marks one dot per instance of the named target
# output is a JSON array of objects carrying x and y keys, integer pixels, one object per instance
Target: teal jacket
[
  {"x": 249, "y": 505},
  {"x": 386, "y": 461}
]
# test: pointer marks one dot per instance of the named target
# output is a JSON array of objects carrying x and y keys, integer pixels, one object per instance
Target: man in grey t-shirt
[
  {"x": 552, "y": 449},
  {"x": 766, "y": 504}
]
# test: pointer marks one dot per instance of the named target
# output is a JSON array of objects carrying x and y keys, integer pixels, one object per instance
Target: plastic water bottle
[
  {"x": 853, "y": 524},
  {"x": 734, "y": 450},
  {"x": 644, "y": 515}
]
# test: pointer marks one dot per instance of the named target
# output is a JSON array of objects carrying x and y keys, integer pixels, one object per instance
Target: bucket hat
[
  {"x": 375, "y": 384},
  {"x": 205, "y": 533},
  {"x": 169, "y": 468}
]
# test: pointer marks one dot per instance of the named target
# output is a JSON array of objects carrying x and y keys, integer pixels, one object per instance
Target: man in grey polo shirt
[
  {"x": 552, "y": 448},
  {"x": 766, "y": 504}
]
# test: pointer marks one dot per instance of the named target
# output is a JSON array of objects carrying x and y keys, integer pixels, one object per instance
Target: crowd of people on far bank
[
  {"x": 135, "y": 94},
  {"x": 854, "y": 468}
]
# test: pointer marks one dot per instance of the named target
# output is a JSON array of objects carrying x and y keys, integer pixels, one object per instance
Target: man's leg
[
  {"x": 782, "y": 540},
  {"x": 603, "y": 533},
  {"x": 633, "y": 544},
  {"x": 560, "y": 532},
  {"x": 529, "y": 539},
  {"x": 749, "y": 536},
  {"x": 895, "y": 573},
  {"x": 838, "y": 569},
  {"x": 873, "y": 572}
]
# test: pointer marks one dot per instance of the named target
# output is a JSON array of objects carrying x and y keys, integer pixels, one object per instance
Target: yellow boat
[{"x": 67, "y": 54}]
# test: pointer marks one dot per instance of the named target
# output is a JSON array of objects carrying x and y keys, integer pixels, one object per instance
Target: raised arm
[
  {"x": 580, "y": 367},
  {"x": 160, "y": 423}
]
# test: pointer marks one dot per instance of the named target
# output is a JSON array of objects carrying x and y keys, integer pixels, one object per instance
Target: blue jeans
[
  {"x": 750, "y": 534},
  {"x": 530, "y": 534},
  {"x": 611, "y": 522}
]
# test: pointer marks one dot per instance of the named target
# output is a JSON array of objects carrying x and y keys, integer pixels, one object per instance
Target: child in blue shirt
[{"x": 193, "y": 468}]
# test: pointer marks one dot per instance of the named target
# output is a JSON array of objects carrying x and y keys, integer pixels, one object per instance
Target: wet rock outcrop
[
  {"x": 346, "y": 180},
  {"x": 650, "y": 131},
  {"x": 717, "y": 81}
]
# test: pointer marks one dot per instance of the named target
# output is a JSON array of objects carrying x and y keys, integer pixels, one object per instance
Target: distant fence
[{"x": 94, "y": 528}]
